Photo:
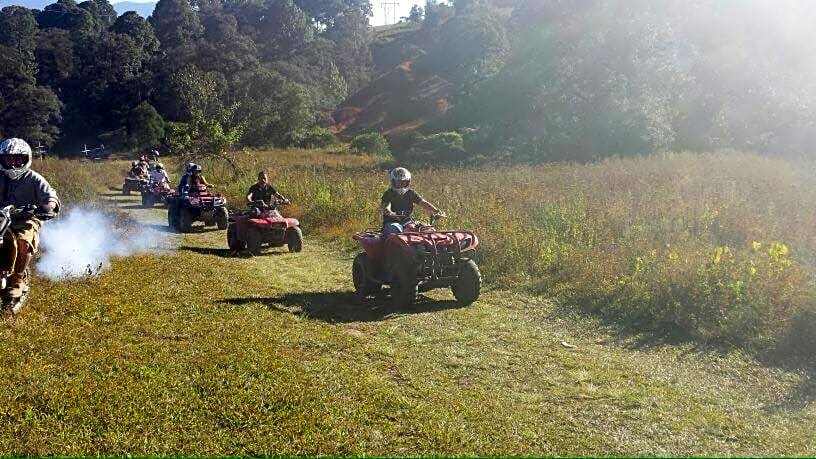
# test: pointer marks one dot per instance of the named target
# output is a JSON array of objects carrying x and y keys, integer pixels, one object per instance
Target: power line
[{"x": 392, "y": 7}]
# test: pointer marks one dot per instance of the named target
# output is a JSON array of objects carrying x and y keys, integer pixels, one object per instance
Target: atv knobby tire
[
  {"x": 172, "y": 213},
  {"x": 148, "y": 201},
  {"x": 363, "y": 286},
  {"x": 232, "y": 239},
  {"x": 468, "y": 286},
  {"x": 221, "y": 218},
  {"x": 404, "y": 287},
  {"x": 253, "y": 242},
  {"x": 294, "y": 239},
  {"x": 185, "y": 220}
]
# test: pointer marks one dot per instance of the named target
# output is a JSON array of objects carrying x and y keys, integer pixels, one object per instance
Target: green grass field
[{"x": 194, "y": 352}]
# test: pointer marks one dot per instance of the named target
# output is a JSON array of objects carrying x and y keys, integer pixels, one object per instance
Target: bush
[
  {"x": 445, "y": 147},
  {"x": 372, "y": 144},
  {"x": 317, "y": 137},
  {"x": 145, "y": 126}
]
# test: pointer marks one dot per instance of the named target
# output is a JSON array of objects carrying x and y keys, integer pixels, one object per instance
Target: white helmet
[
  {"x": 400, "y": 180},
  {"x": 15, "y": 158}
]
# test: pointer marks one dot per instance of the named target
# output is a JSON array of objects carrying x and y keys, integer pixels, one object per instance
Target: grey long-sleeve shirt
[{"x": 30, "y": 188}]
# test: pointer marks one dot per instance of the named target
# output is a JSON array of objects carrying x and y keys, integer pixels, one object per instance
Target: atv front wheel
[
  {"x": 404, "y": 287},
  {"x": 185, "y": 220},
  {"x": 221, "y": 218},
  {"x": 232, "y": 239},
  {"x": 253, "y": 241},
  {"x": 148, "y": 201},
  {"x": 359, "y": 274},
  {"x": 294, "y": 239},
  {"x": 171, "y": 216},
  {"x": 468, "y": 286}
]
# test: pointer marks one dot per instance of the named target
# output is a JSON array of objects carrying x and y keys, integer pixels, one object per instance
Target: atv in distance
[
  {"x": 134, "y": 183},
  {"x": 8, "y": 253},
  {"x": 261, "y": 225},
  {"x": 198, "y": 205},
  {"x": 155, "y": 192},
  {"x": 418, "y": 260}
]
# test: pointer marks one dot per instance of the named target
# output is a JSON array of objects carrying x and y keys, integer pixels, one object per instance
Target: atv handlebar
[
  {"x": 260, "y": 204},
  {"x": 27, "y": 212}
]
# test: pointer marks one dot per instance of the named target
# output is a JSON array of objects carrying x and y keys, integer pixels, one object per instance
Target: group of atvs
[{"x": 419, "y": 259}]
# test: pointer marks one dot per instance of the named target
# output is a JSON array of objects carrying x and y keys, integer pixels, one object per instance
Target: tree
[
  {"x": 55, "y": 57},
  {"x": 417, "y": 14},
  {"x": 66, "y": 15},
  {"x": 145, "y": 126},
  {"x": 28, "y": 111},
  {"x": 178, "y": 29}
]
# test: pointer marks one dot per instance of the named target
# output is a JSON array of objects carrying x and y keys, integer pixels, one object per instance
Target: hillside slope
[{"x": 194, "y": 352}]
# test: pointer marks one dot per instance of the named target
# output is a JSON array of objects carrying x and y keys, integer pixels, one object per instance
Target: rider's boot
[{"x": 17, "y": 281}]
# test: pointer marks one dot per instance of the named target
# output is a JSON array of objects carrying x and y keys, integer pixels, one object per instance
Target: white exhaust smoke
[{"x": 84, "y": 242}]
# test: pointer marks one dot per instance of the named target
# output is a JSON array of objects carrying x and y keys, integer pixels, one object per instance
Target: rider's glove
[{"x": 50, "y": 208}]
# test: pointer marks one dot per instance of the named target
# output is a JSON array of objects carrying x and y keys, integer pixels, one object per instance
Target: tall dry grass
[{"x": 718, "y": 246}]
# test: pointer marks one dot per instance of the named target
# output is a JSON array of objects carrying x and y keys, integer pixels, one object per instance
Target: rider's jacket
[
  {"x": 30, "y": 188},
  {"x": 159, "y": 176}
]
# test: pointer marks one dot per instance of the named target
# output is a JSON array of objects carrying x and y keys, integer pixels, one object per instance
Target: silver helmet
[
  {"x": 400, "y": 180},
  {"x": 15, "y": 158}
]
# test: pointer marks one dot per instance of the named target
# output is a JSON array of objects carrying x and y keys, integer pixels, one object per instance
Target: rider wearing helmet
[
  {"x": 263, "y": 190},
  {"x": 192, "y": 180},
  {"x": 22, "y": 187},
  {"x": 397, "y": 202},
  {"x": 159, "y": 175},
  {"x": 135, "y": 169}
]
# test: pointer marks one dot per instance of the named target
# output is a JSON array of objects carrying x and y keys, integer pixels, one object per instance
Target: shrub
[
  {"x": 316, "y": 137},
  {"x": 145, "y": 126},
  {"x": 445, "y": 147},
  {"x": 372, "y": 143}
]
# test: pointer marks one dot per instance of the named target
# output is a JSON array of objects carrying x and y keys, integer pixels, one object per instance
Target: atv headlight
[{"x": 195, "y": 201}]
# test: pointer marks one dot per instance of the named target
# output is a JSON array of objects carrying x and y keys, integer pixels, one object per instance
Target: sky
[{"x": 402, "y": 11}]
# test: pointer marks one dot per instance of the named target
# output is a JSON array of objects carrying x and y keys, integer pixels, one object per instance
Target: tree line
[
  {"x": 543, "y": 80},
  {"x": 230, "y": 72}
]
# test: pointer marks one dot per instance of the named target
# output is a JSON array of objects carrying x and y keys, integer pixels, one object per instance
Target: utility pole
[{"x": 392, "y": 7}]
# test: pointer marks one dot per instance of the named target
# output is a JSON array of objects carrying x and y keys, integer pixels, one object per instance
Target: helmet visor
[
  {"x": 400, "y": 183},
  {"x": 13, "y": 161}
]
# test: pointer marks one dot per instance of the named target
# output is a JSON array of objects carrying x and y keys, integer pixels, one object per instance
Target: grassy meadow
[
  {"x": 720, "y": 248},
  {"x": 590, "y": 268}
]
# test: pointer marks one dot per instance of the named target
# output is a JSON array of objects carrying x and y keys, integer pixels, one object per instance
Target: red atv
[
  {"x": 263, "y": 224},
  {"x": 155, "y": 192},
  {"x": 418, "y": 260},
  {"x": 133, "y": 183},
  {"x": 198, "y": 205}
]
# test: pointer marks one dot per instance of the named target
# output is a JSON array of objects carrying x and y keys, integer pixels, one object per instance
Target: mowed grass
[{"x": 194, "y": 352}]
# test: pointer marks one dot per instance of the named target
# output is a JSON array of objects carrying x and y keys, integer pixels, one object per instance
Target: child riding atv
[
  {"x": 21, "y": 187},
  {"x": 397, "y": 203}
]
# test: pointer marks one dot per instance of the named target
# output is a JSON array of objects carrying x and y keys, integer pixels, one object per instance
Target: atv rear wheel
[
  {"x": 172, "y": 212},
  {"x": 148, "y": 201},
  {"x": 232, "y": 239},
  {"x": 363, "y": 286},
  {"x": 294, "y": 239},
  {"x": 404, "y": 287},
  {"x": 185, "y": 220},
  {"x": 221, "y": 218},
  {"x": 468, "y": 286}
]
